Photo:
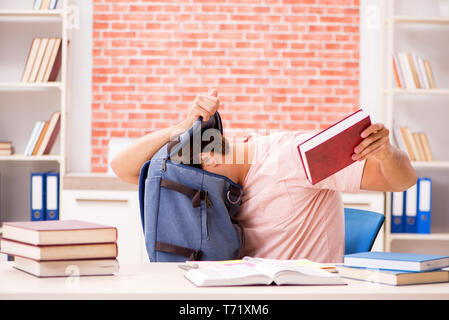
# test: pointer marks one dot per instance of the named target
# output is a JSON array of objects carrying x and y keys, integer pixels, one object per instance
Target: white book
[
  {"x": 418, "y": 71},
  {"x": 35, "y": 137},
  {"x": 422, "y": 69},
  {"x": 262, "y": 273},
  {"x": 405, "y": 66},
  {"x": 30, "y": 140},
  {"x": 37, "y": 4},
  {"x": 53, "y": 4}
]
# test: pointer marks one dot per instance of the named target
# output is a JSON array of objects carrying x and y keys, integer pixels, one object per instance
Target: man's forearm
[{"x": 128, "y": 162}]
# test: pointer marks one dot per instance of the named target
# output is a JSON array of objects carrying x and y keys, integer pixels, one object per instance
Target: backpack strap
[
  {"x": 194, "y": 194},
  {"x": 189, "y": 253},
  {"x": 142, "y": 178}
]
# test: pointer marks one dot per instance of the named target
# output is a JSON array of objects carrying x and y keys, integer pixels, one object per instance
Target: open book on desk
[{"x": 260, "y": 273}]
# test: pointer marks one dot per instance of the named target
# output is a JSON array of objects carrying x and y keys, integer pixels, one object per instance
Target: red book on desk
[{"x": 331, "y": 150}]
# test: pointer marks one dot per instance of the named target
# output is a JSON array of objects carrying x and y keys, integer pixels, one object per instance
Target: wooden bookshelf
[
  {"x": 396, "y": 102},
  {"x": 435, "y": 92},
  {"x": 31, "y": 13},
  {"x": 21, "y": 157},
  {"x": 25, "y": 103},
  {"x": 31, "y": 86},
  {"x": 417, "y": 19}
]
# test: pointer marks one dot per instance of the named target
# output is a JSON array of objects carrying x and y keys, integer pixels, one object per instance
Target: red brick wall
[{"x": 277, "y": 64}]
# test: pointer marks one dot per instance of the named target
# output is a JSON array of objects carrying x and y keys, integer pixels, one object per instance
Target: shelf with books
[
  {"x": 30, "y": 86},
  {"x": 34, "y": 87},
  {"x": 30, "y": 13},
  {"x": 21, "y": 157},
  {"x": 414, "y": 95}
]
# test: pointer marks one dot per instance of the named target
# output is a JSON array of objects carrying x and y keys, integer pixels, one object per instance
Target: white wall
[
  {"x": 370, "y": 58},
  {"x": 81, "y": 90}
]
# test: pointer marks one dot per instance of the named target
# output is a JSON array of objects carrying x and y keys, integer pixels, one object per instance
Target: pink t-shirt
[{"x": 286, "y": 217}]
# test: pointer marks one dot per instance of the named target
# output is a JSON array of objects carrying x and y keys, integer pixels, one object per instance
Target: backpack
[{"x": 188, "y": 213}]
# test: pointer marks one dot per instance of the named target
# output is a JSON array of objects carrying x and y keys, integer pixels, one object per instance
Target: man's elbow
[
  {"x": 410, "y": 181},
  {"x": 117, "y": 168}
]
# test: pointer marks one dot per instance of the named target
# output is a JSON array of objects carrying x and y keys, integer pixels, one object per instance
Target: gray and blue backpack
[{"x": 188, "y": 213}]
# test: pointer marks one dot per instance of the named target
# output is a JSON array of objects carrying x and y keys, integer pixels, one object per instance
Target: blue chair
[{"x": 361, "y": 229}]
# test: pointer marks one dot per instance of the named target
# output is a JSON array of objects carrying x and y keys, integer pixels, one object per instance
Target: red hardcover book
[{"x": 331, "y": 150}]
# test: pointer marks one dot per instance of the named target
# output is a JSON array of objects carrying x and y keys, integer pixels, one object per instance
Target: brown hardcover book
[
  {"x": 51, "y": 134},
  {"x": 425, "y": 143},
  {"x": 407, "y": 144},
  {"x": 67, "y": 268},
  {"x": 429, "y": 74},
  {"x": 59, "y": 252},
  {"x": 56, "y": 49},
  {"x": 56, "y": 65},
  {"x": 419, "y": 146},
  {"x": 30, "y": 60},
  {"x": 59, "y": 232},
  {"x": 41, "y": 137},
  {"x": 413, "y": 69}
]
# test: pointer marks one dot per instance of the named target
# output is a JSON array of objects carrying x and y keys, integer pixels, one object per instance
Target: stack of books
[
  {"x": 416, "y": 144},
  {"x": 412, "y": 72},
  {"x": 6, "y": 148},
  {"x": 395, "y": 268},
  {"x": 44, "y": 60},
  {"x": 61, "y": 248},
  {"x": 43, "y": 136},
  {"x": 45, "y": 4}
]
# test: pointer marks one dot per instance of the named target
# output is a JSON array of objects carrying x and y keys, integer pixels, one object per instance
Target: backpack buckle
[{"x": 228, "y": 195}]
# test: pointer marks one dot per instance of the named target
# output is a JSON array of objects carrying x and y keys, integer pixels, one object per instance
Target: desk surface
[{"x": 166, "y": 281}]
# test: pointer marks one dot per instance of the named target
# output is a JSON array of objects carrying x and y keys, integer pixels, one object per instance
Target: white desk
[{"x": 166, "y": 281}]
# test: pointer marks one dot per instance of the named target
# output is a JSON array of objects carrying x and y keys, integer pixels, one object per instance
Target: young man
[{"x": 283, "y": 215}]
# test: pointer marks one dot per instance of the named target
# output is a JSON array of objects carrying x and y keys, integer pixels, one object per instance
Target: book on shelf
[
  {"x": 398, "y": 72},
  {"x": 429, "y": 74},
  {"x": 412, "y": 71},
  {"x": 416, "y": 144},
  {"x": 331, "y": 150},
  {"x": 44, "y": 61},
  {"x": 6, "y": 148},
  {"x": 396, "y": 261},
  {"x": 37, "y": 129},
  {"x": 45, "y": 4},
  {"x": 48, "y": 140},
  {"x": 43, "y": 136},
  {"x": 393, "y": 277},
  {"x": 43, "y": 269},
  {"x": 260, "y": 273}
]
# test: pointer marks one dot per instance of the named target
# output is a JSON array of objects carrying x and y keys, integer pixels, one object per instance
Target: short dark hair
[{"x": 194, "y": 160}]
